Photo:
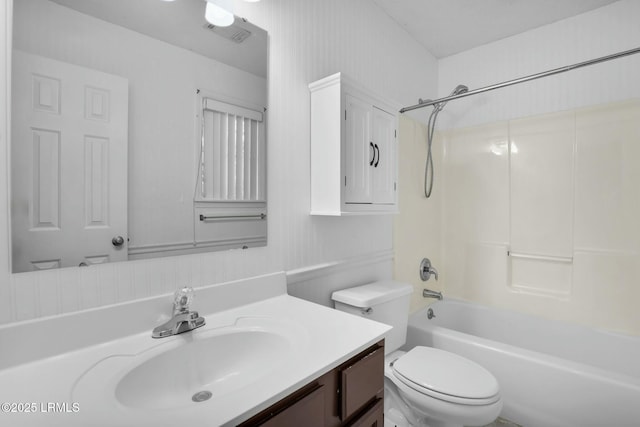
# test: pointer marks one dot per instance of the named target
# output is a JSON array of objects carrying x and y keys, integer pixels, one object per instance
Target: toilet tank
[{"x": 385, "y": 302}]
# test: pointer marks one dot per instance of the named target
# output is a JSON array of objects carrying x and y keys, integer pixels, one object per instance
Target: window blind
[{"x": 232, "y": 162}]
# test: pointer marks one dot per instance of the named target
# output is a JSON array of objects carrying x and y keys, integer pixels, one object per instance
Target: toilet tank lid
[{"x": 372, "y": 293}]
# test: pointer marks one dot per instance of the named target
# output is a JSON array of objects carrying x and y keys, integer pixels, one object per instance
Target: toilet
[{"x": 425, "y": 386}]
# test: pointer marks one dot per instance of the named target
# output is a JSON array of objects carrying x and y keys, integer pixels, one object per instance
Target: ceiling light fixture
[{"x": 219, "y": 12}]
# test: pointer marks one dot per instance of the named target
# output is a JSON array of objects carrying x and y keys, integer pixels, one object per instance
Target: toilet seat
[{"x": 446, "y": 376}]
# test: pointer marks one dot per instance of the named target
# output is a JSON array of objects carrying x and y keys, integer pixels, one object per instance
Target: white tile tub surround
[
  {"x": 607, "y": 176},
  {"x": 475, "y": 225},
  {"x": 541, "y": 180},
  {"x": 565, "y": 210},
  {"x": 541, "y": 166}
]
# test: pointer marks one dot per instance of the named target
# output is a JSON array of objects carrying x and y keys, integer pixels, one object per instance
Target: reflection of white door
[{"x": 69, "y": 164}]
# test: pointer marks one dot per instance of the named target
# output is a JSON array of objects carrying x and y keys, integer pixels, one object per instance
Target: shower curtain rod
[{"x": 523, "y": 79}]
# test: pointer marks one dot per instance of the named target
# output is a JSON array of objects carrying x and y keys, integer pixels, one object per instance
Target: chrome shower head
[{"x": 457, "y": 91}]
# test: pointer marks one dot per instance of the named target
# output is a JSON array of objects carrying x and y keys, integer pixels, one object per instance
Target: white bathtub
[{"x": 551, "y": 374}]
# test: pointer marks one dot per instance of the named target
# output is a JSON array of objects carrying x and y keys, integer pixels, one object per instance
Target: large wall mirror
[{"x": 138, "y": 131}]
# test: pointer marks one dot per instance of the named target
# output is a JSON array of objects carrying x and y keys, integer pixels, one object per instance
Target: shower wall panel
[{"x": 558, "y": 236}]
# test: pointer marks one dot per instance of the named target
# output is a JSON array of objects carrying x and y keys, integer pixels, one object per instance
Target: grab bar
[
  {"x": 563, "y": 259},
  {"x": 221, "y": 217}
]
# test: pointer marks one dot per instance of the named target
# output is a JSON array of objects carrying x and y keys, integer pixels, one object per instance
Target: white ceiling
[
  {"x": 182, "y": 24},
  {"x": 443, "y": 27},
  {"x": 447, "y": 27}
]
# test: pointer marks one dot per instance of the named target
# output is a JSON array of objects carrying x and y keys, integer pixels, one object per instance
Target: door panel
[
  {"x": 384, "y": 167},
  {"x": 359, "y": 151},
  {"x": 69, "y": 164}
]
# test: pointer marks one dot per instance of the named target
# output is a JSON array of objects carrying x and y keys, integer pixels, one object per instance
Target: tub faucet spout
[
  {"x": 428, "y": 293},
  {"x": 183, "y": 320}
]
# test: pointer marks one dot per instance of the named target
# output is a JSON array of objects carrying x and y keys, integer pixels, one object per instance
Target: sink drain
[{"x": 201, "y": 396}]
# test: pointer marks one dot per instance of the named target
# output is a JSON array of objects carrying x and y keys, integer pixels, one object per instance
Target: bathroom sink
[
  {"x": 202, "y": 369},
  {"x": 191, "y": 368}
]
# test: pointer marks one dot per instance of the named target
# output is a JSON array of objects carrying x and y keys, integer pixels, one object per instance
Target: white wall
[
  {"x": 607, "y": 30},
  {"x": 309, "y": 40},
  {"x": 571, "y": 188}
]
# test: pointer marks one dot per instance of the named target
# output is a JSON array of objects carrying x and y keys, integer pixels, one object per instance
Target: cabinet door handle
[
  {"x": 373, "y": 154},
  {"x": 377, "y": 151}
]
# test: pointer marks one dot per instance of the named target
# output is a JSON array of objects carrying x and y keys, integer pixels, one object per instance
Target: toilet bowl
[
  {"x": 441, "y": 388},
  {"x": 425, "y": 386}
]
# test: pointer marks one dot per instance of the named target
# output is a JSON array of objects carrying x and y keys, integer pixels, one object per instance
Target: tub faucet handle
[{"x": 426, "y": 270}]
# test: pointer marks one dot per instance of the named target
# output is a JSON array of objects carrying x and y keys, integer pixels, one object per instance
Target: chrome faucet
[
  {"x": 428, "y": 293},
  {"x": 183, "y": 320}
]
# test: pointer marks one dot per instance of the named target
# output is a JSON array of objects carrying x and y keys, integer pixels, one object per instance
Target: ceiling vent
[{"x": 233, "y": 32}]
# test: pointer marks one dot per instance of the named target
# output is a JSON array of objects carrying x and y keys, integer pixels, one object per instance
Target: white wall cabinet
[{"x": 353, "y": 150}]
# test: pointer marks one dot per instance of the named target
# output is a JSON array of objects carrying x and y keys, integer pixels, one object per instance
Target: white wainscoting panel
[{"x": 317, "y": 283}]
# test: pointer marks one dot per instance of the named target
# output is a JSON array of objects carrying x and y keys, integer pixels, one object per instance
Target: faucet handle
[
  {"x": 182, "y": 299},
  {"x": 426, "y": 270}
]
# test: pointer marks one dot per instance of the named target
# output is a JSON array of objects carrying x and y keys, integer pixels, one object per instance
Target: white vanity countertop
[{"x": 51, "y": 392}]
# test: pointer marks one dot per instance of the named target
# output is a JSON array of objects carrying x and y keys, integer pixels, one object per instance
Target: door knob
[{"x": 117, "y": 241}]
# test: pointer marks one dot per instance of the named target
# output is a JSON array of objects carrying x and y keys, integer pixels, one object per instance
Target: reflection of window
[
  {"x": 232, "y": 153},
  {"x": 230, "y": 206}
]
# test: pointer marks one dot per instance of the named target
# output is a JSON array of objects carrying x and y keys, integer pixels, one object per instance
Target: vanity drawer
[
  {"x": 361, "y": 381},
  {"x": 308, "y": 411},
  {"x": 300, "y": 409}
]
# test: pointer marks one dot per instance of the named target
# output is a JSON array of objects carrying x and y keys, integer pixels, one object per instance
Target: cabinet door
[
  {"x": 359, "y": 151},
  {"x": 384, "y": 165},
  {"x": 361, "y": 382}
]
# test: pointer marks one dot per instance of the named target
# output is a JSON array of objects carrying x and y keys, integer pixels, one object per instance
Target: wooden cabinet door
[{"x": 362, "y": 382}]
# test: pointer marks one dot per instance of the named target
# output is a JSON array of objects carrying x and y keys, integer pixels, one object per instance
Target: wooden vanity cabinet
[{"x": 350, "y": 395}]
